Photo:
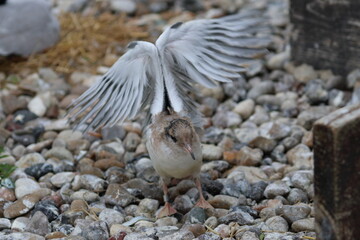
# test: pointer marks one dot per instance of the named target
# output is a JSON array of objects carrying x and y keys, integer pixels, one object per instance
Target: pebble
[
  {"x": 278, "y": 60},
  {"x": 301, "y": 157},
  {"x": 277, "y": 223},
  {"x": 38, "y": 224},
  {"x": 293, "y": 213},
  {"x": 62, "y": 178},
  {"x": 265, "y": 87},
  {"x": 197, "y": 215},
  {"x": 7, "y": 194},
  {"x": 5, "y": 223},
  {"x": 84, "y": 194},
  {"x": 21, "y": 206},
  {"x": 19, "y": 224},
  {"x": 59, "y": 153},
  {"x": 304, "y": 73},
  {"x": 239, "y": 216},
  {"x": 303, "y": 225},
  {"x": 96, "y": 231},
  {"x": 297, "y": 195},
  {"x": 48, "y": 208},
  {"x": 117, "y": 195},
  {"x": 353, "y": 78},
  {"x": 23, "y": 236},
  {"x": 111, "y": 216},
  {"x": 278, "y": 188},
  {"x": 166, "y": 221},
  {"x": 302, "y": 179},
  {"x": 24, "y": 186},
  {"x": 29, "y": 159},
  {"x": 211, "y": 152},
  {"x": 148, "y": 205},
  {"x": 39, "y": 170},
  {"x": 126, "y": 6},
  {"x": 307, "y": 117},
  {"x": 181, "y": 235},
  {"x": 264, "y": 143},
  {"x": 316, "y": 92},
  {"x": 37, "y": 106},
  {"x": 224, "y": 201},
  {"x": 183, "y": 204}
]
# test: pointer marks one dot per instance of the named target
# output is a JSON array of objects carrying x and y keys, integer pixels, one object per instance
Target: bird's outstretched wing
[
  {"x": 210, "y": 50},
  {"x": 121, "y": 91}
]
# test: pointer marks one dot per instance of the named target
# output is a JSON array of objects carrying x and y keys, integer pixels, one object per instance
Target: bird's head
[{"x": 181, "y": 135}]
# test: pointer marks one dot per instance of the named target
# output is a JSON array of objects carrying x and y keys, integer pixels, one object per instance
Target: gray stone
[
  {"x": 239, "y": 216},
  {"x": 302, "y": 179},
  {"x": 278, "y": 188},
  {"x": 304, "y": 225},
  {"x": 62, "y": 178},
  {"x": 265, "y": 87},
  {"x": 278, "y": 60},
  {"x": 338, "y": 98},
  {"x": 301, "y": 157},
  {"x": 181, "y": 235},
  {"x": 126, "y": 6},
  {"x": 211, "y": 152},
  {"x": 183, "y": 204},
  {"x": 353, "y": 78},
  {"x": 305, "y": 73},
  {"x": 24, "y": 186},
  {"x": 84, "y": 194},
  {"x": 245, "y": 108},
  {"x": 166, "y": 221},
  {"x": 293, "y": 213},
  {"x": 247, "y": 134},
  {"x": 38, "y": 224},
  {"x": 148, "y": 205},
  {"x": 307, "y": 117},
  {"x": 209, "y": 236},
  {"x": 277, "y": 223},
  {"x": 118, "y": 195},
  {"x": 22, "y": 236},
  {"x": 96, "y": 231},
  {"x": 19, "y": 224},
  {"x": 297, "y": 195},
  {"x": 316, "y": 92},
  {"x": 4, "y": 223},
  {"x": 29, "y": 160},
  {"x": 89, "y": 182},
  {"x": 264, "y": 143},
  {"x": 111, "y": 216},
  {"x": 248, "y": 235},
  {"x": 131, "y": 141},
  {"x": 59, "y": 153}
]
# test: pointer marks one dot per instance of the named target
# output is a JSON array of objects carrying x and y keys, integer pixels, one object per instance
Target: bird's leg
[
  {"x": 167, "y": 210},
  {"x": 202, "y": 203}
]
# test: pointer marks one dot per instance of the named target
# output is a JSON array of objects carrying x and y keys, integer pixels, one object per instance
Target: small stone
[
  {"x": 265, "y": 87},
  {"x": 277, "y": 223},
  {"x": 89, "y": 182},
  {"x": 4, "y": 223},
  {"x": 181, "y": 235},
  {"x": 239, "y": 216},
  {"x": 84, "y": 194},
  {"x": 211, "y": 152},
  {"x": 166, "y": 221},
  {"x": 301, "y": 157},
  {"x": 48, "y": 208},
  {"x": 353, "y": 78},
  {"x": 307, "y": 117},
  {"x": 110, "y": 133},
  {"x": 302, "y": 179},
  {"x": 278, "y": 60},
  {"x": 304, "y": 225},
  {"x": 264, "y": 143},
  {"x": 39, "y": 170},
  {"x": 61, "y": 178},
  {"x": 96, "y": 231},
  {"x": 29, "y": 160},
  {"x": 38, "y": 224},
  {"x": 21, "y": 206},
  {"x": 131, "y": 141},
  {"x": 118, "y": 230},
  {"x": 115, "y": 149},
  {"x": 37, "y": 106},
  {"x": 24, "y": 186},
  {"x": 19, "y": 224},
  {"x": 209, "y": 236},
  {"x": 248, "y": 235},
  {"x": 316, "y": 92},
  {"x": 278, "y": 188},
  {"x": 23, "y": 236},
  {"x": 249, "y": 157},
  {"x": 59, "y": 153},
  {"x": 126, "y": 6},
  {"x": 211, "y": 222},
  {"x": 117, "y": 195},
  {"x": 183, "y": 204},
  {"x": 7, "y": 194},
  {"x": 257, "y": 190},
  {"x": 305, "y": 73},
  {"x": 224, "y": 201},
  {"x": 293, "y": 213},
  {"x": 197, "y": 215},
  {"x": 148, "y": 205},
  {"x": 297, "y": 195},
  {"x": 18, "y": 151},
  {"x": 105, "y": 164},
  {"x": 111, "y": 216}
]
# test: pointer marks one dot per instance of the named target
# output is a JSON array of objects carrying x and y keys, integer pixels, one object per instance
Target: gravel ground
[{"x": 257, "y": 147}]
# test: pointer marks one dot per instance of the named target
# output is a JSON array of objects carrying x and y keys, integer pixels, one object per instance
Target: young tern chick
[{"x": 161, "y": 75}]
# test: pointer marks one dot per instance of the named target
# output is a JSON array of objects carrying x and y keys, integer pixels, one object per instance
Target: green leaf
[
  {"x": 262, "y": 236},
  {"x": 6, "y": 170}
]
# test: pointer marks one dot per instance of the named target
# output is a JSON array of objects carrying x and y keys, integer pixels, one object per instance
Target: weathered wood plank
[
  {"x": 337, "y": 174},
  {"x": 326, "y": 34}
]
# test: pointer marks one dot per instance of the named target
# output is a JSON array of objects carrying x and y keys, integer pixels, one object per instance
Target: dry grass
[{"x": 85, "y": 40}]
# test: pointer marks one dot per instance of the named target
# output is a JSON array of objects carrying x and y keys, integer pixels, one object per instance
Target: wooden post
[
  {"x": 326, "y": 34},
  {"x": 337, "y": 175}
]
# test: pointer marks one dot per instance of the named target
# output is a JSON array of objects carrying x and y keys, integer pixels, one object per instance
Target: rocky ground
[{"x": 257, "y": 146}]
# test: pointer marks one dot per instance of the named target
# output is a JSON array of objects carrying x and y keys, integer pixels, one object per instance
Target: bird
[
  {"x": 27, "y": 27},
  {"x": 159, "y": 78}
]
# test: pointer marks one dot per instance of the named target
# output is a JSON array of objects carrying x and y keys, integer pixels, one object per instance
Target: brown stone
[
  {"x": 79, "y": 205},
  {"x": 12, "y": 103},
  {"x": 337, "y": 174},
  {"x": 21, "y": 206},
  {"x": 7, "y": 194},
  {"x": 104, "y": 164},
  {"x": 55, "y": 235}
]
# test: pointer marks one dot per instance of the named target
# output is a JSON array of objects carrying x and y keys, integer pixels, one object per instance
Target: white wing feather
[{"x": 121, "y": 91}]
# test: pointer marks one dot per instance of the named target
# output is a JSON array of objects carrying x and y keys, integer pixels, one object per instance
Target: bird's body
[
  {"x": 162, "y": 75},
  {"x": 169, "y": 159}
]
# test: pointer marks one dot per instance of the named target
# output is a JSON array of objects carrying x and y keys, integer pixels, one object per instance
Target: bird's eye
[{"x": 173, "y": 138}]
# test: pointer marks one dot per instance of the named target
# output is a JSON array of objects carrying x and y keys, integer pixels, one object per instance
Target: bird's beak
[{"x": 188, "y": 148}]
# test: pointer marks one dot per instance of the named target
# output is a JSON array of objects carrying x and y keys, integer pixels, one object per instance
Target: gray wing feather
[{"x": 120, "y": 92}]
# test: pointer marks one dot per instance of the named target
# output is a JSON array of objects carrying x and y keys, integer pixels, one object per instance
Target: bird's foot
[
  {"x": 202, "y": 203},
  {"x": 165, "y": 211}
]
